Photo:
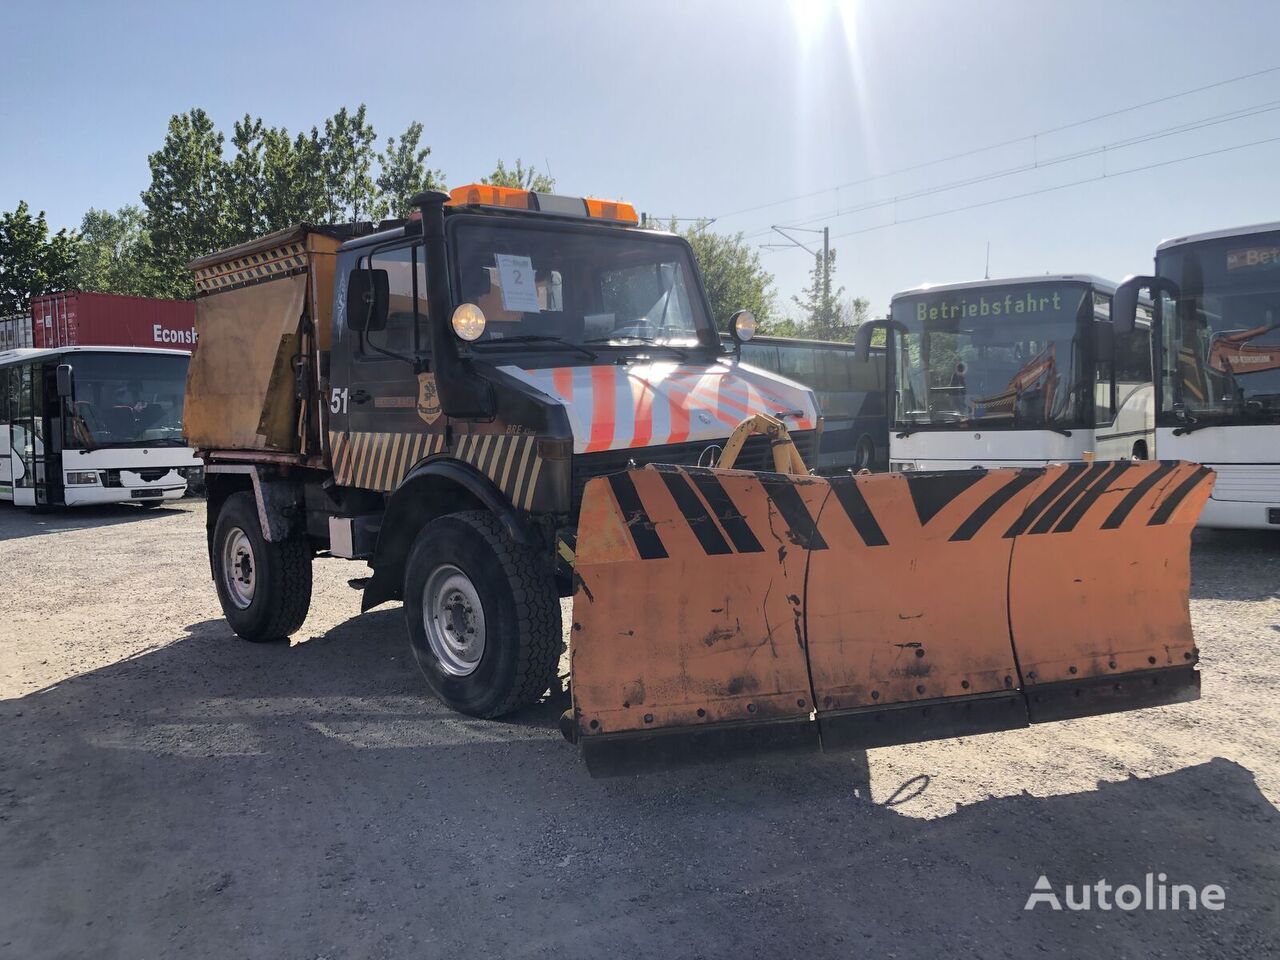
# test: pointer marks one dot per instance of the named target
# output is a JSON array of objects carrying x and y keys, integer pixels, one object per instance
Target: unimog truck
[
  {"x": 431, "y": 396},
  {"x": 513, "y": 397}
]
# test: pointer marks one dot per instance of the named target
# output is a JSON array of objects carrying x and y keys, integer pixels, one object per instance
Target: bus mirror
[
  {"x": 1124, "y": 302},
  {"x": 863, "y": 341},
  {"x": 64, "y": 381},
  {"x": 368, "y": 295}
]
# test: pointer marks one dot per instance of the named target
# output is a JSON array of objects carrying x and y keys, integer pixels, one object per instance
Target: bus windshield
[
  {"x": 126, "y": 400},
  {"x": 1221, "y": 337},
  {"x": 999, "y": 356},
  {"x": 590, "y": 288}
]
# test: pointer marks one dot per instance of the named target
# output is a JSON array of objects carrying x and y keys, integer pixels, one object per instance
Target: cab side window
[{"x": 406, "y": 286}]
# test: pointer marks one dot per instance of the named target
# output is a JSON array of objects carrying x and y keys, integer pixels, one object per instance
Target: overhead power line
[
  {"x": 1005, "y": 143},
  {"x": 1059, "y": 186},
  {"x": 1187, "y": 127}
]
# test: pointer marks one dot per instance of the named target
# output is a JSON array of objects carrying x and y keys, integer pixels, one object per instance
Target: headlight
[
  {"x": 468, "y": 322},
  {"x": 82, "y": 477}
]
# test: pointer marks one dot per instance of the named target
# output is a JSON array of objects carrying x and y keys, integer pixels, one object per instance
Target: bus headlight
[
  {"x": 82, "y": 477},
  {"x": 468, "y": 322}
]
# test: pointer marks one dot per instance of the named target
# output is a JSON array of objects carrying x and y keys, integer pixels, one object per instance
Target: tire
[
  {"x": 491, "y": 640},
  {"x": 266, "y": 595}
]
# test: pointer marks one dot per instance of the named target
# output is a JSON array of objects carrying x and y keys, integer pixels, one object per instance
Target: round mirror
[
  {"x": 742, "y": 325},
  {"x": 468, "y": 322}
]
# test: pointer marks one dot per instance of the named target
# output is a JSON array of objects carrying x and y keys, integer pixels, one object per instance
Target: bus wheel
[
  {"x": 264, "y": 588},
  {"x": 864, "y": 454},
  {"x": 1140, "y": 450},
  {"x": 483, "y": 615}
]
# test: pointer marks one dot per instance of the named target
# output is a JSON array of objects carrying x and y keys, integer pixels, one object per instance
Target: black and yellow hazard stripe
[
  {"x": 379, "y": 461},
  {"x": 720, "y": 528},
  {"x": 266, "y": 265},
  {"x": 511, "y": 462}
]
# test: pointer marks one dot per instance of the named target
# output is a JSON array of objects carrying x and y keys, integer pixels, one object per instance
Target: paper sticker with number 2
[{"x": 519, "y": 285}]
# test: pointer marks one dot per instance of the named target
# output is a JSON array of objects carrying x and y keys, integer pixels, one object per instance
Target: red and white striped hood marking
[{"x": 613, "y": 407}]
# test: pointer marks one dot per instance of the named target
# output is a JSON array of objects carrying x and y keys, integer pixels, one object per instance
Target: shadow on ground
[
  {"x": 213, "y": 798},
  {"x": 18, "y": 522}
]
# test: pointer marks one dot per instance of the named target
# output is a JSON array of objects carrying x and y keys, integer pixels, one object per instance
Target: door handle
[{"x": 360, "y": 396}]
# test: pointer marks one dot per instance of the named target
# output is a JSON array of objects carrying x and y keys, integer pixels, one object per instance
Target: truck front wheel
[
  {"x": 483, "y": 615},
  {"x": 264, "y": 588}
]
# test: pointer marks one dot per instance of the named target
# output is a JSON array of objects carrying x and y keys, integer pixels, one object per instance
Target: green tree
[
  {"x": 520, "y": 177},
  {"x": 116, "y": 255},
  {"x": 820, "y": 311},
  {"x": 187, "y": 204},
  {"x": 244, "y": 182},
  {"x": 346, "y": 166},
  {"x": 31, "y": 261},
  {"x": 403, "y": 172},
  {"x": 272, "y": 180},
  {"x": 731, "y": 274}
]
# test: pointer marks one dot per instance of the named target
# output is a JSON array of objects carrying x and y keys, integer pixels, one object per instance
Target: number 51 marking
[{"x": 338, "y": 400}]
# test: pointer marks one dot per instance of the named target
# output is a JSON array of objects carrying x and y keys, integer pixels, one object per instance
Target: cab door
[{"x": 384, "y": 413}]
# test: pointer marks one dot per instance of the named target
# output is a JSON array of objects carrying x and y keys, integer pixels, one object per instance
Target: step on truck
[{"x": 515, "y": 397}]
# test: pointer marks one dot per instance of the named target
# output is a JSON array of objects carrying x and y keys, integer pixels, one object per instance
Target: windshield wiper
[
  {"x": 539, "y": 338},
  {"x": 1190, "y": 424},
  {"x": 681, "y": 352}
]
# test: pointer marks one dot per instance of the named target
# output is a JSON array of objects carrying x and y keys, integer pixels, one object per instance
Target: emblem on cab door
[{"x": 428, "y": 399}]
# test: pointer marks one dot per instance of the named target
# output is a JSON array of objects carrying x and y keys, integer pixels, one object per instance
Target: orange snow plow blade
[{"x": 723, "y": 612}]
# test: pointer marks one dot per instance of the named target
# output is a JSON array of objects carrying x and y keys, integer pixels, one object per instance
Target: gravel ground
[{"x": 166, "y": 790}]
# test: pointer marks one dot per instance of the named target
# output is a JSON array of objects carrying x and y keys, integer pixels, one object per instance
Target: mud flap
[{"x": 720, "y": 613}]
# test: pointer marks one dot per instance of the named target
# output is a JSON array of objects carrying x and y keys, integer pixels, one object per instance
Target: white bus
[
  {"x": 1018, "y": 372},
  {"x": 1217, "y": 336},
  {"x": 85, "y": 425}
]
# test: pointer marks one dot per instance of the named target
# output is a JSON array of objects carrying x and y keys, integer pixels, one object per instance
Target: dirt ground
[{"x": 166, "y": 790}]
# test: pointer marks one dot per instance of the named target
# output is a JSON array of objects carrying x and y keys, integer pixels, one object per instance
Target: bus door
[{"x": 34, "y": 461}]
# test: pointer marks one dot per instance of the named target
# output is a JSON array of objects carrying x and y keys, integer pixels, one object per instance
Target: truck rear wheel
[
  {"x": 483, "y": 615},
  {"x": 264, "y": 588}
]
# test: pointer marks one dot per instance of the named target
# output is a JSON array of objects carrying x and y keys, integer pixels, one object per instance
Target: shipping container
[{"x": 74, "y": 319}]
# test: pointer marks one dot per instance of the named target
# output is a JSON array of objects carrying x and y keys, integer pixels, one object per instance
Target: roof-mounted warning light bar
[{"x": 487, "y": 195}]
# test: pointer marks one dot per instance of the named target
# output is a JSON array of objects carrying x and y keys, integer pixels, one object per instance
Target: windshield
[
  {"x": 594, "y": 287},
  {"x": 126, "y": 399},
  {"x": 1000, "y": 356},
  {"x": 1221, "y": 337}
]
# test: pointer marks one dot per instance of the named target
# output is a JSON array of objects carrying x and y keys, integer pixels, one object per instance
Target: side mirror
[
  {"x": 1124, "y": 302},
  {"x": 862, "y": 340},
  {"x": 368, "y": 297},
  {"x": 65, "y": 382}
]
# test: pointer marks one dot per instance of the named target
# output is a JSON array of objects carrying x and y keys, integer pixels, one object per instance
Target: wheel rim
[
  {"x": 239, "y": 568},
  {"x": 453, "y": 619}
]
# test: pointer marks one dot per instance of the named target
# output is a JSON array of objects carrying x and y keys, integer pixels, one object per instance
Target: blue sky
[{"x": 706, "y": 109}]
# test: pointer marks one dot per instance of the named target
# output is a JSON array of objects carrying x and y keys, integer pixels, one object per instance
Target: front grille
[
  {"x": 1256, "y": 483},
  {"x": 111, "y": 478},
  {"x": 756, "y": 455}
]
